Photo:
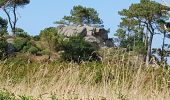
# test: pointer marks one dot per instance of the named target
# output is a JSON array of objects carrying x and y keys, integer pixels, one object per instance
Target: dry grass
[{"x": 119, "y": 77}]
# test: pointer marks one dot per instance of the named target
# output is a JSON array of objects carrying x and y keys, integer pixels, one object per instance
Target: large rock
[
  {"x": 10, "y": 46},
  {"x": 91, "y": 34}
]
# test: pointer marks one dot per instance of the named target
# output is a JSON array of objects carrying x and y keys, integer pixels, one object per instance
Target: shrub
[
  {"x": 28, "y": 45},
  {"x": 77, "y": 49},
  {"x": 140, "y": 48},
  {"x": 25, "y": 48},
  {"x": 19, "y": 43},
  {"x": 36, "y": 38},
  {"x": 25, "y": 45},
  {"x": 3, "y": 26},
  {"x": 21, "y": 33},
  {"x": 33, "y": 50},
  {"x": 46, "y": 51},
  {"x": 3, "y": 45},
  {"x": 51, "y": 38}
]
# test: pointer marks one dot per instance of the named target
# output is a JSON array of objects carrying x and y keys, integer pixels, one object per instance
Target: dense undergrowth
[{"x": 120, "y": 76}]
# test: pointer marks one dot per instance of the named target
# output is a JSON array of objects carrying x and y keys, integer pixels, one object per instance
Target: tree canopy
[
  {"x": 146, "y": 15},
  {"x": 3, "y": 26},
  {"x": 10, "y": 6},
  {"x": 81, "y": 15},
  {"x": 11, "y": 3}
]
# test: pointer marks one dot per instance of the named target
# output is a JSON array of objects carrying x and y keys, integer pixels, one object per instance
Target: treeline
[
  {"x": 49, "y": 41},
  {"x": 139, "y": 24}
]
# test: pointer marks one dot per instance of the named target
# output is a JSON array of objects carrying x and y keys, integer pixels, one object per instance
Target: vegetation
[
  {"x": 77, "y": 49},
  {"x": 81, "y": 15},
  {"x": 50, "y": 66},
  {"x": 3, "y": 26},
  {"x": 119, "y": 77},
  {"x": 144, "y": 16},
  {"x": 52, "y": 39},
  {"x": 3, "y": 46},
  {"x": 10, "y": 6},
  {"x": 3, "y": 42}
]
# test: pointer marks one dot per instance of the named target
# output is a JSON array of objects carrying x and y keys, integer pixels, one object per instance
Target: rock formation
[{"x": 95, "y": 35}]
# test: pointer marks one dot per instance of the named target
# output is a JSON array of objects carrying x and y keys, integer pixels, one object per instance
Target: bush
[
  {"x": 28, "y": 45},
  {"x": 25, "y": 48},
  {"x": 46, "y": 51},
  {"x": 140, "y": 48},
  {"x": 77, "y": 49},
  {"x": 3, "y": 26},
  {"x": 19, "y": 43},
  {"x": 21, "y": 33},
  {"x": 33, "y": 50},
  {"x": 51, "y": 38},
  {"x": 36, "y": 38},
  {"x": 25, "y": 45},
  {"x": 3, "y": 45}
]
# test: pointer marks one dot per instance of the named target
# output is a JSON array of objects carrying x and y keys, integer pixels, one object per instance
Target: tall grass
[{"x": 120, "y": 76}]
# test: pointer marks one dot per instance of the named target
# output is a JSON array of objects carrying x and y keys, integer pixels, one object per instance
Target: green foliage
[
  {"x": 11, "y": 3},
  {"x": 162, "y": 53},
  {"x": 23, "y": 97},
  {"x": 45, "y": 52},
  {"x": 28, "y": 45},
  {"x": 98, "y": 73},
  {"x": 10, "y": 8},
  {"x": 21, "y": 33},
  {"x": 132, "y": 40},
  {"x": 144, "y": 16},
  {"x": 3, "y": 26},
  {"x": 77, "y": 49},
  {"x": 33, "y": 50},
  {"x": 140, "y": 47},
  {"x": 24, "y": 43},
  {"x": 61, "y": 22},
  {"x": 81, "y": 15},
  {"x": 3, "y": 32},
  {"x": 3, "y": 46},
  {"x": 5, "y": 95},
  {"x": 19, "y": 43},
  {"x": 51, "y": 38},
  {"x": 121, "y": 34},
  {"x": 36, "y": 38},
  {"x": 117, "y": 70},
  {"x": 53, "y": 97},
  {"x": 146, "y": 9}
]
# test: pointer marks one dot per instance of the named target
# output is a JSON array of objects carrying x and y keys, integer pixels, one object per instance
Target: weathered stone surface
[
  {"x": 92, "y": 39},
  {"x": 109, "y": 43},
  {"x": 91, "y": 34},
  {"x": 10, "y": 46}
]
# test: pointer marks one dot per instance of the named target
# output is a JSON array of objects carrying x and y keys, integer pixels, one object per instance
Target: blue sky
[{"x": 40, "y": 14}]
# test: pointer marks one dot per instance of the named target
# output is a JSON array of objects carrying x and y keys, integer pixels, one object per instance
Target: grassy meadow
[{"x": 118, "y": 77}]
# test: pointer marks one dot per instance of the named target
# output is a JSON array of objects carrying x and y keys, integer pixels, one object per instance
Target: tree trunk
[
  {"x": 49, "y": 46},
  {"x": 9, "y": 18},
  {"x": 163, "y": 46},
  {"x": 15, "y": 20},
  {"x": 149, "y": 50}
]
